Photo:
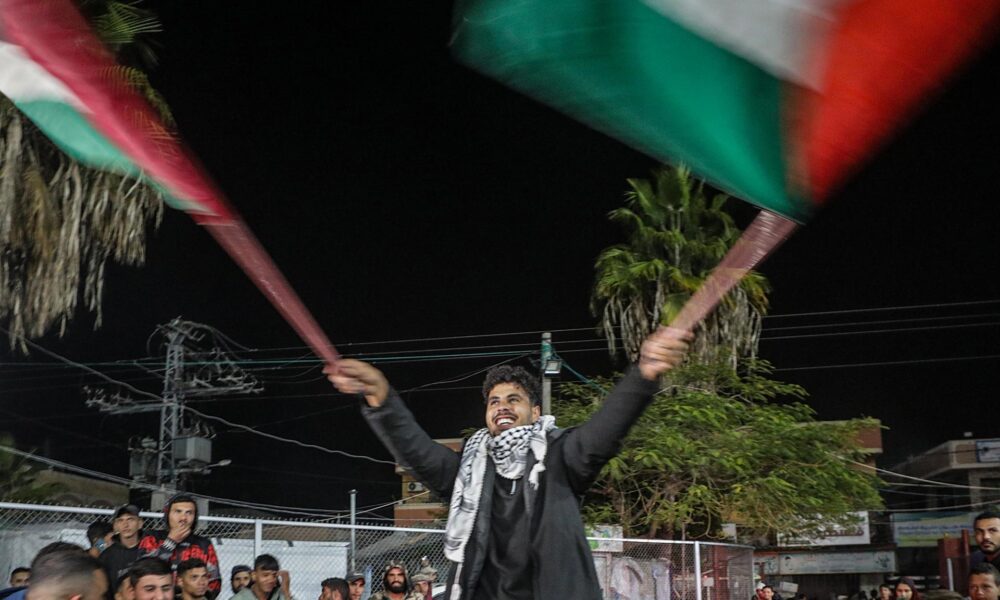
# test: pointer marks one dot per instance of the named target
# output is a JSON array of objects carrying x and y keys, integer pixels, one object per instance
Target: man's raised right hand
[{"x": 355, "y": 377}]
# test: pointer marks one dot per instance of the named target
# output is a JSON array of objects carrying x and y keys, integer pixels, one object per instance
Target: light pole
[{"x": 551, "y": 367}]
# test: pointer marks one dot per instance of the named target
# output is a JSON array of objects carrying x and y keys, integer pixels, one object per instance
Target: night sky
[{"x": 406, "y": 197}]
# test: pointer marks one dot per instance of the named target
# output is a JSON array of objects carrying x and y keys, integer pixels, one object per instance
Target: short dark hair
[
  {"x": 70, "y": 568},
  {"x": 767, "y": 587},
  {"x": 517, "y": 375},
  {"x": 986, "y": 514},
  {"x": 56, "y": 547},
  {"x": 19, "y": 570},
  {"x": 985, "y": 568},
  {"x": 338, "y": 585},
  {"x": 265, "y": 562},
  {"x": 192, "y": 563},
  {"x": 148, "y": 566},
  {"x": 98, "y": 529}
]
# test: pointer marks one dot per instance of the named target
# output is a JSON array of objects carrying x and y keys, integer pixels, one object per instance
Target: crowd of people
[{"x": 124, "y": 562}]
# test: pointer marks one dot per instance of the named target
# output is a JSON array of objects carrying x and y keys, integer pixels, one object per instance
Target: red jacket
[{"x": 158, "y": 545}]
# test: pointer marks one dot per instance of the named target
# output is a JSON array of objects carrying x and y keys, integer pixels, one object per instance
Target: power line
[{"x": 890, "y": 363}]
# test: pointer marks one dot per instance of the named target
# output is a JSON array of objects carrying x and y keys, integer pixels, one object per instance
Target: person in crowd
[
  {"x": 906, "y": 590},
  {"x": 21, "y": 592},
  {"x": 19, "y": 577},
  {"x": 239, "y": 577},
  {"x": 356, "y": 583},
  {"x": 986, "y": 527},
  {"x": 984, "y": 580},
  {"x": 334, "y": 588},
  {"x": 395, "y": 584},
  {"x": 123, "y": 588},
  {"x": 269, "y": 581},
  {"x": 124, "y": 549},
  {"x": 67, "y": 574},
  {"x": 192, "y": 579},
  {"x": 424, "y": 578},
  {"x": 525, "y": 473},
  {"x": 422, "y": 583},
  {"x": 179, "y": 542},
  {"x": 152, "y": 579},
  {"x": 885, "y": 592},
  {"x": 765, "y": 592},
  {"x": 99, "y": 535}
]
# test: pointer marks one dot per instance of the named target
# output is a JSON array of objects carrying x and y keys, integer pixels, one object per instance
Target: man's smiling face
[{"x": 509, "y": 405}]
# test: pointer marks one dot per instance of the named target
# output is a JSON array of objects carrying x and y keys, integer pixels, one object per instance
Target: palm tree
[
  {"x": 17, "y": 477},
  {"x": 60, "y": 221},
  {"x": 676, "y": 237}
]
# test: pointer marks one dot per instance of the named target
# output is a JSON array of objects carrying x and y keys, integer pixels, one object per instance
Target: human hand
[
  {"x": 663, "y": 350},
  {"x": 179, "y": 532},
  {"x": 355, "y": 377}
]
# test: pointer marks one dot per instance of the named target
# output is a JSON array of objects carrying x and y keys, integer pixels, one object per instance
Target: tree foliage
[
  {"x": 676, "y": 236},
  {"x": 17, "y": 477},
  {"x": 60, "y": 221},
  {"x": 717, "y": 446}
]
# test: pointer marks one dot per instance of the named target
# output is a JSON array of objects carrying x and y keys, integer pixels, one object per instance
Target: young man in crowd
[
  {"x": 986, "y": 527},
  {"x": 99, "y": 535},
  {"x": 269, "y": 581},
  {"x": 239, "y": 577},
  {"x": 356, "y": 584},
  {"x": 124, "y": 589},
  {"x": 334, "y": 588},
  {"x": 124, "y": 549},
  {"x": 179, "y": 542},
  {"x": 514, "y": 527},
  {"x": 192, "y": 579},
  {"x": 69, "y": 574},
  {"x": 984, "y": 579},
  {"x": 152, "y": 579},
  {"x": 396, "y": 584},
  {"x": 19, "y": 577}
]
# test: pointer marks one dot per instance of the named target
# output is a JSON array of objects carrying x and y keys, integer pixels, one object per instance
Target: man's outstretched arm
[
  {"x": 591, "y": 445},
  {"x": 432, "y": 463}
]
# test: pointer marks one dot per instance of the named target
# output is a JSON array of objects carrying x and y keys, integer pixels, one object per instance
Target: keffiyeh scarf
[{"x": 509, "y": 451}]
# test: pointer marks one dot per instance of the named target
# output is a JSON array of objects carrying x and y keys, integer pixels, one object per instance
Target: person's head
[
  {"x": 512, "y": 398},
  {"x": 983, "y": 580},
  {"x": 356, "y": 583},
  {"x": 335, "y": 588},
  {"x": 265, "y": 573},
  {"x": 906, "y": 590},
  {"x": 421, "y": 583},
  {"x": 394, "y": 579},
  {"x": 192, "y": 578},
  {"x": 885, "y": 592},
  {"x": 66, "y": 574},
  {"x": 19, "y": 577},
  {"x": 240, "y": 577},
  {"x": 986, "y": 527},
  {"x": 126, "y": 522},
  {"x": 181, "y": 511},
  {"x": 124, "y": 589},
  {"x": 152, "y": 579},
  {"x": 99, "y": 534},
  {"x": 765, "y": 592}
]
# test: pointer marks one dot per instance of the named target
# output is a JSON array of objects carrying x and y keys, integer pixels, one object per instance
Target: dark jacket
[{"x": 561, "y": 561}]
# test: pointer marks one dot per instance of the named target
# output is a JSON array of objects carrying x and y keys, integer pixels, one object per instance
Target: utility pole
[
  {"x": 546, "y": 380},
  {"x": 190, "y": 371}
]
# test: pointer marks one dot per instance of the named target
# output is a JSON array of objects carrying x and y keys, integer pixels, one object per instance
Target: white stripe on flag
[
  {"x": 779, "y": 36},
  {"x": 23, "y": 80}
]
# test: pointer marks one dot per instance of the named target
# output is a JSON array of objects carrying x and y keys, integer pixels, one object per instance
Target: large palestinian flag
[
  {"x": 59, "y": 74},
  {"x": 774, "y": 101}
]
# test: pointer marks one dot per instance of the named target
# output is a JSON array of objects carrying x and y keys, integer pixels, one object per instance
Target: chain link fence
[{"x": 314, "y": 550}]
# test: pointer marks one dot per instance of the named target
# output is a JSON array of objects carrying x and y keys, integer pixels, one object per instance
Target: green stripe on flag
[
  {"x": 631, "y": 72},
  {"x": 69, "y": 130}
]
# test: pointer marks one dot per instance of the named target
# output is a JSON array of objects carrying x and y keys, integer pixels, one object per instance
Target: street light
[{"x": 553, "y": 366}]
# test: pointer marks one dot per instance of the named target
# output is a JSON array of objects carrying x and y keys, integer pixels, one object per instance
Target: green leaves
[{"x": 723, "y": 446}]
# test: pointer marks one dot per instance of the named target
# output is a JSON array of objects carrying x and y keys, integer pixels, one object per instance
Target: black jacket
[{"x": 562, "y": 564}]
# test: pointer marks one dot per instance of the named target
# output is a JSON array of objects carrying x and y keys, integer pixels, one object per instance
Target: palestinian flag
[
  {"x": 61, "y": 77},
  {"x": 776, "y": 102}
]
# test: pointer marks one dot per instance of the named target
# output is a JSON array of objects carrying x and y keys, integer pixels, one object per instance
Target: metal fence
[{"x": 314, "y": 550}]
